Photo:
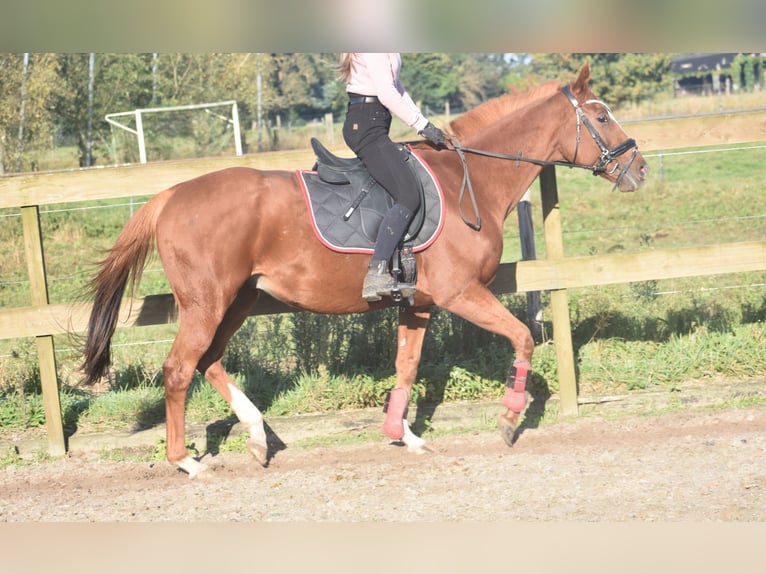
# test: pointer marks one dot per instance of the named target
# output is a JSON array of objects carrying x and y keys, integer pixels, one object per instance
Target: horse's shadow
[
  {"x": 539, "y": 392},
  {"x": 218, "y": 432}
]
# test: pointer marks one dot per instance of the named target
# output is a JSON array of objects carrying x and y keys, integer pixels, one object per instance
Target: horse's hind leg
[
  {"x": 210, "y": 365},
  {"x": 411, "y": 332},
  {"x": 202, "y": 336},
  {"x": 248, "y": 414},
  {"x": 190, "y": 344}
]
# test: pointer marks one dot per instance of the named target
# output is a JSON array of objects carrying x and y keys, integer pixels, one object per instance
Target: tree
[
  {"x": 431, "y": 79},
  {"x": 462, "y": 80},
  {"x": 121, "y": 82},
  {"x": 293, "y": 86},
  {"x": 618, "y": 78},
  {"x": 20, "y": 149},
  {"x": 480, "y": 78},
  {"x": 300, "y": 79}
]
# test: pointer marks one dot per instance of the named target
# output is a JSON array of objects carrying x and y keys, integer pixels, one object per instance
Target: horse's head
[{"x": 600, "y": 141}]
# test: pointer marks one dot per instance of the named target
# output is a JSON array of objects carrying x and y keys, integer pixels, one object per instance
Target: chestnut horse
[{"x": 229, "y": 235}]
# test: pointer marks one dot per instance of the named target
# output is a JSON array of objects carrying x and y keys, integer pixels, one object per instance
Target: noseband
[{"x": 607, "y": 155}]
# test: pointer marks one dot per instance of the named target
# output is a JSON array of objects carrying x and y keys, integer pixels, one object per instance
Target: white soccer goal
[{"x": 231, "y": 120}]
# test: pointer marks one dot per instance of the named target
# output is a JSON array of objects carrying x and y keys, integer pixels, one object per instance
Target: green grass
[
  {"x": 617, "y": 365},
  {"x": 654, "y": 334},
  {"x": 700, "y": 199}
]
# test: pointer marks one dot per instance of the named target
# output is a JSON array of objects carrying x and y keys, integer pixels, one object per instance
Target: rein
[
  {"x": 600, "y": 167},
  {"x": 466, "y": 184}
]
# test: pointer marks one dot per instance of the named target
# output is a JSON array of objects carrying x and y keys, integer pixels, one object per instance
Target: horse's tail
[{"x": 124, "y": 264}]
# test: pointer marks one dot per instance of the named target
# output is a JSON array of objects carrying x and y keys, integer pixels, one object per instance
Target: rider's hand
[{"x": 434, "y": 135}]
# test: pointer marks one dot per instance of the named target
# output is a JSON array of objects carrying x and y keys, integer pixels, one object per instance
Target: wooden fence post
[
  {"x": 33, "y": 246},
  {"x": 562, "y": 331}
]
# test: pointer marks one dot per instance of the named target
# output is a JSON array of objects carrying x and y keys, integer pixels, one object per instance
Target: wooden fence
[{"x": 556, "y": 273}]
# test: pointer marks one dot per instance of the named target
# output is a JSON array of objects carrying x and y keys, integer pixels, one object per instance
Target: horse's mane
[{"x": 489, "y": 111}]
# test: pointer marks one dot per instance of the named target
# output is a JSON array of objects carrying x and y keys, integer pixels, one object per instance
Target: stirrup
[
  {"x": 404, "y": 274},
  {"x": 403, "y": 291}
]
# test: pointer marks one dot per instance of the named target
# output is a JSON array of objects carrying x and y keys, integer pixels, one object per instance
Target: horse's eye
[{"x": 603, "y": 118}]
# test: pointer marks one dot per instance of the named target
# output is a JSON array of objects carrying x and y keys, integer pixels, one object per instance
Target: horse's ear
[{"x": 581, "y": 83}]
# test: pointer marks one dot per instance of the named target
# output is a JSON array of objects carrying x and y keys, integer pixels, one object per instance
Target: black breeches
[{"x": 366, "y": 133}]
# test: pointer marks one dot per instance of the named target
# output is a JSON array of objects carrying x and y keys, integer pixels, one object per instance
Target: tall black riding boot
[{"x": 393, "y": 227}]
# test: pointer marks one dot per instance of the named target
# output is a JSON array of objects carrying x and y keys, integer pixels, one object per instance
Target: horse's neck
[{"x": 532, "y": 134}]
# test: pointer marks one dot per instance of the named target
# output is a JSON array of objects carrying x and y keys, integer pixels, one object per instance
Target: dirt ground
[{"x": 696, "y": 465}]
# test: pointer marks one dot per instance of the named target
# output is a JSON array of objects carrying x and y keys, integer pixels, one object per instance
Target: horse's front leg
[
  {"x": 411, "y": 332},
  {"x": 477, "y": 304}
]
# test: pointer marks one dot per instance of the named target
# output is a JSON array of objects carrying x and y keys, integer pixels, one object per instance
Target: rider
[{"x": 375, "y": 92}]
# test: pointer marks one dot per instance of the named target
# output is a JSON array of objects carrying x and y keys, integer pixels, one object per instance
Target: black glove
[{"x": 434, "y": 135}]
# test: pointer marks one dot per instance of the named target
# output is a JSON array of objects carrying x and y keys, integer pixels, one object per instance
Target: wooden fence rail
[{"x": 555, "y": 274}]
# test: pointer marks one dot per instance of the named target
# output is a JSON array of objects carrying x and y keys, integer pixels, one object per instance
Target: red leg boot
[
  {"x": 515, "y": 395},
  {"x": 396, "y": 410}
]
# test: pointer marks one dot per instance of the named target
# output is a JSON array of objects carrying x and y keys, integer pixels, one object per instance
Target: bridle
[{"x": 607, "y": 157}]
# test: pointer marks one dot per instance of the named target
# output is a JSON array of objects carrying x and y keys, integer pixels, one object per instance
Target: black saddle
[
  {"x": 347, "y": 205},
  {"x": 334, "y": 169}
]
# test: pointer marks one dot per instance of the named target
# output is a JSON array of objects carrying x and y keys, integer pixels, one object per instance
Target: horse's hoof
[
  {"x": 418, "y": 449},
  {"x": 205, "y": 475},
  {"x": 415, "y": 444},
  {"x": 259, "y": 451},
  {"x": 507, "y": 428},
  {"x": 194, "y": 468}
]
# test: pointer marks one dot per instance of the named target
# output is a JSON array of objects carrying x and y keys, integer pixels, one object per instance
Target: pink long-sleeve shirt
[{"x": 378, "y": 75}]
